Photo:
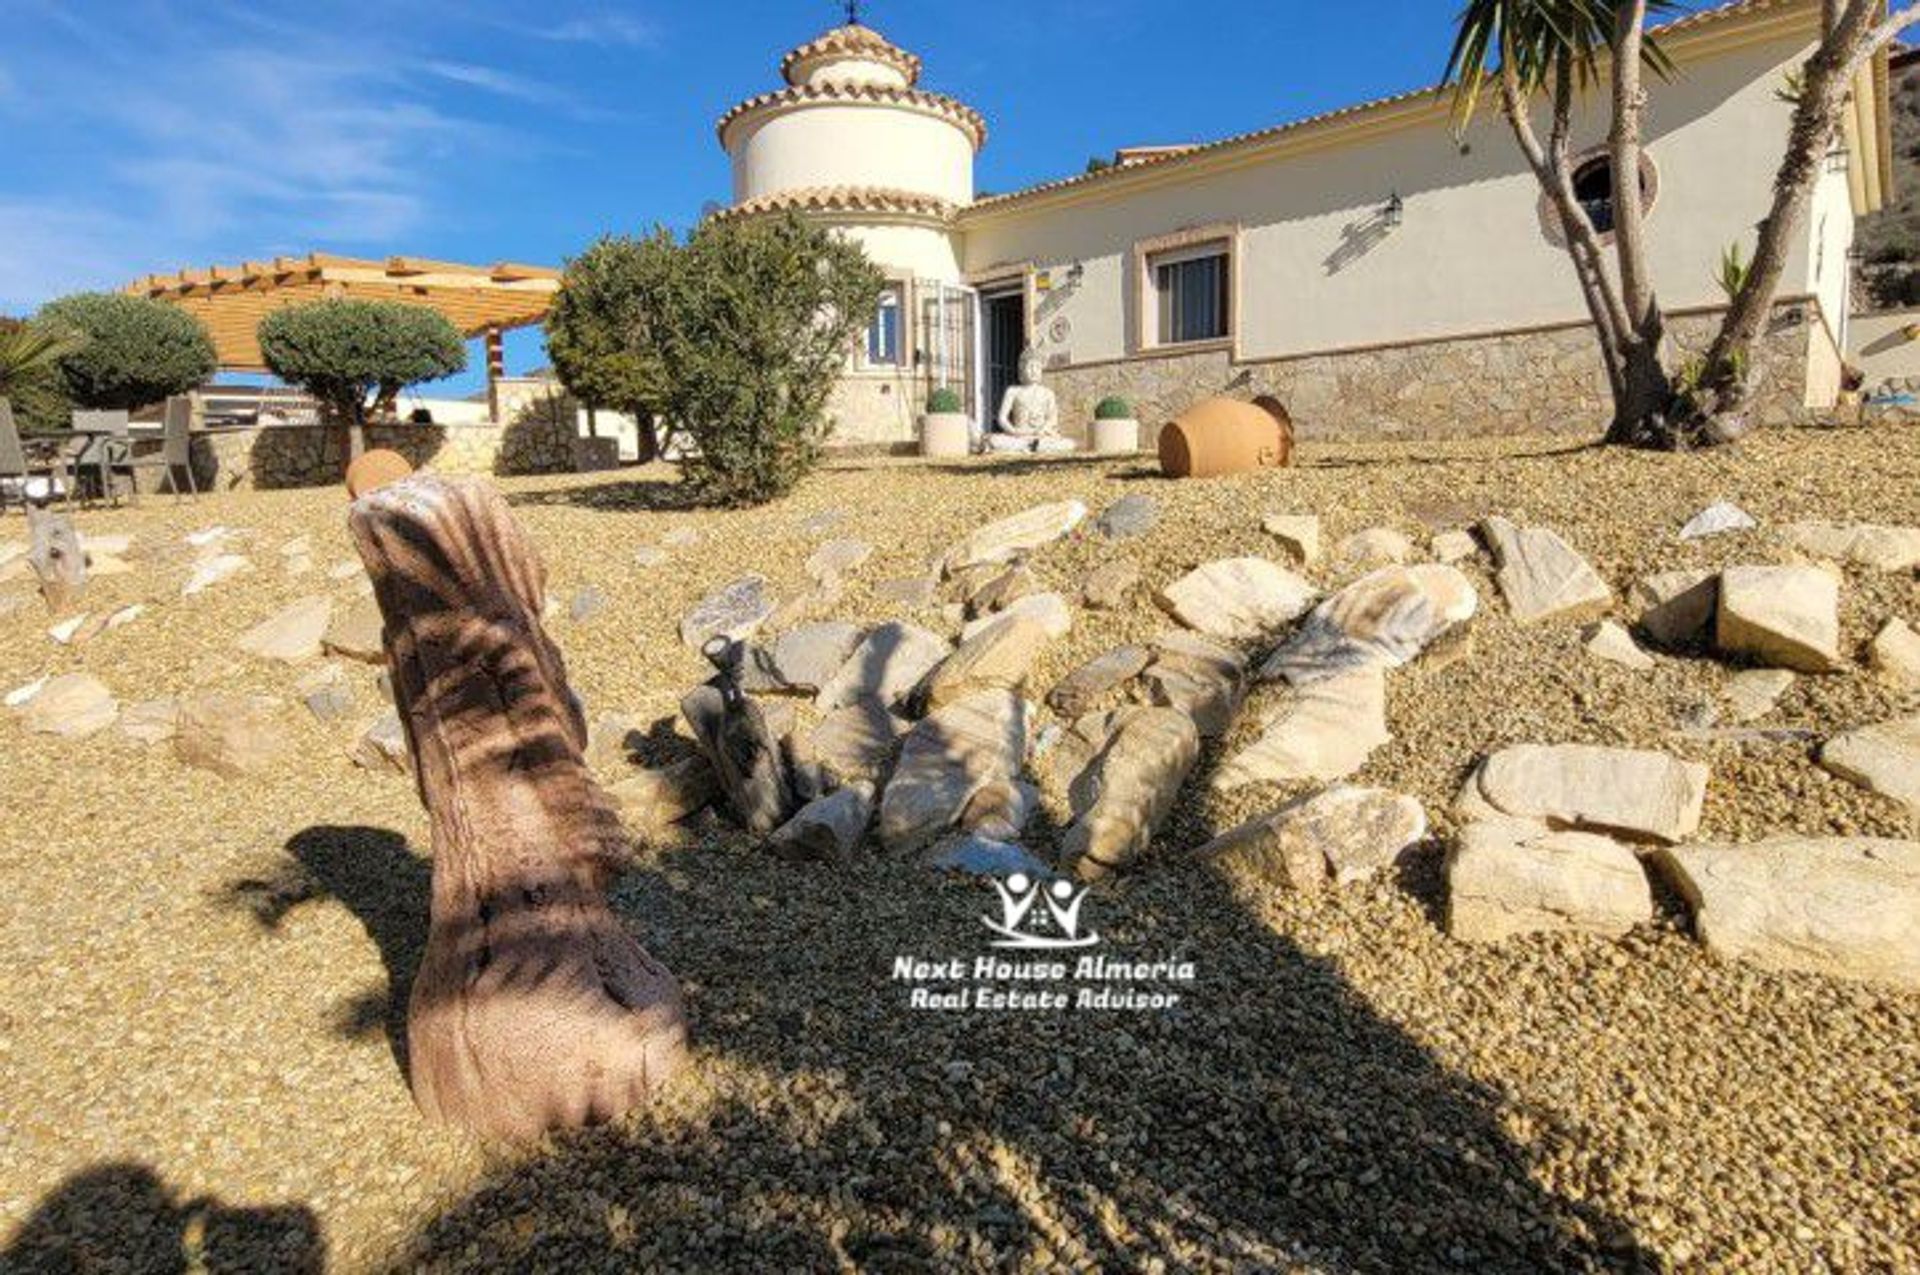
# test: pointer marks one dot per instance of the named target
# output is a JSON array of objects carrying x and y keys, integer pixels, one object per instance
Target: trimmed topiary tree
[
  {"x": 1113, "y": 408},
  {"x": 133, "y": 350},
  {"x": 356, "y": 356},
  {"x": 597, "y": 329},
  {"x": 944, "y": 400}
]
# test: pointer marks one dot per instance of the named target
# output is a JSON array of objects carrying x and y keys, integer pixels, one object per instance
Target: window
[
  {"x": 882, "y": 347},
  {"x": 1593, "y": 187},
  {"x": 1191, "y": 286}
]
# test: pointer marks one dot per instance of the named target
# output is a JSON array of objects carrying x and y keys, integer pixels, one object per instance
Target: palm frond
[
  {"x": 28, "y": 348},
  {"x": 1537, "y": 38}
]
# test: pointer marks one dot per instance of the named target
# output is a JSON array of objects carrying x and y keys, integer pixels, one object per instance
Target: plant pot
[
  {"x": 945, "y": 435},
  {"x": 1225, "y": 436},
  {"x": 1116, "y": 436}
]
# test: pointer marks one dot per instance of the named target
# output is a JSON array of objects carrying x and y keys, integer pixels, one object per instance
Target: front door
[{"x": 1004, "y": 320}]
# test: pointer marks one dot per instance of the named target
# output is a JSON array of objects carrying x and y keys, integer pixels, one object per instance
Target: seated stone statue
[{"x": 1029, "y": 419}]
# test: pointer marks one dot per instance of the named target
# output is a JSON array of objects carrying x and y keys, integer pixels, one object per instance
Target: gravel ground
[{"x": 203, "y": 976}]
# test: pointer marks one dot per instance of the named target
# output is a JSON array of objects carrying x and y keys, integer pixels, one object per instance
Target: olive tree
[
  {"x": 128, "y": 351},
  {"x": 356, "y": 356},
  {"x": 597, "y": 332}
]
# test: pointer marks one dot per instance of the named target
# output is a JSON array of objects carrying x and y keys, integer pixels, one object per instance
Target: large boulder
[
  {"x": 1342, "y": 834},
  {"x": 1542, "y": 576},
  {"x": 1383, "y": 619},
  {"x": 886, "y": 666},
  {"x": 1629, "y": 792},
  {"x": 231, "y": 734},
  {"x": 292, "y": 634},
  {"x": 1884, "y": 758},
  {"x": 1784, "y": 617},
  {"x": 1876, "y": 548},
  {"x": 1845, "y": 906},
  {"x": 946, "y": 760},
  {"x": 1237, "y": 599},
  {"x": 1011, "y": 537},
  {"x": 1134, "y": 782},
  {"x": 73, "y": 706},
  {"x": 1324, "y": 730},
  {"x": 1510, "y": 877}
]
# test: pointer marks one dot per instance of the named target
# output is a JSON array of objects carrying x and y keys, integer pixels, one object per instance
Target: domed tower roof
[{"x": 852, "y": 54}]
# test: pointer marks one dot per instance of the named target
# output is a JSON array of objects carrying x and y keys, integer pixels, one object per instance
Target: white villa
[{"x": 1378, "y": 275}]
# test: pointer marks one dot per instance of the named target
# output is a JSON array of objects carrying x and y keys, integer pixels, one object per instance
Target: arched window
[{"x": 1593, "y": 187}]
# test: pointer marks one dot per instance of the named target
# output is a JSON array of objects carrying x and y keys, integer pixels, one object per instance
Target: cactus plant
[{"x": 1113, "y": 408}]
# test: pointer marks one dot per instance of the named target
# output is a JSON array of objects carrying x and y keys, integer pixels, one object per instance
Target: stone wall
[{"x": 1546, "y": 381}]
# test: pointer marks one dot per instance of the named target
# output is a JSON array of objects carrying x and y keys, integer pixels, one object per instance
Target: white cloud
[
  {"x": 492, "y": 80},
  {"x": 604, "y": 27}
]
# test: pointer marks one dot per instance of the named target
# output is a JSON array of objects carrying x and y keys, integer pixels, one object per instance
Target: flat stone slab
[
  {"x": 1895, "y": 653},
  {"x": 231, "y": 734},
  {"x": 1752, "y": 693},
  {"x": 211, "y": 570},
  {"x": 985, "y": 857},
  {"x": 857, "y": 741},
  {"x": 1375, "y": 547},
  {"x": 886, "y": 666},
  {"x": 1676, "y": 608},
  {"x": 1134, "y": 782},
  {"x": 998, "y": 657},
  {"x": 1298, "y": 533},
  {"x": 1021, "y": 533},
  {"x": 1884, "y": 758},
  {"x": 1111, "y": 585},
  {"x": 1238, "y": 599},
  {"x": 1509, "y": 877},
  {"x": 356, "y": 632},
  {"x": 1050, "y": 611},
  {"x": 1325, "y": 730},
  {"x": 1078, "y": 692},
  {"x": 1630, "y": 792},
  {"x": 1541, "y": 575},
  {"x": 1205, "y": 679},
  {"x": 803, "y": 659},
  {"x": 151, "y": 721},
  {"x": 292, "y": 635},
  {"x": 1342, "y": 834},
  {"x": 1717, "y": 519},
  {"x": 836, "y": 558},
  {"x": 945, "y": 761},
  {"x": 1848, "y": 907},
  {"x": 1384, "y": 619},
  {"x": 72, "y": 706},
  {"x": 734, "y": 611},
  {"x": 1785, "y": 617},
  {"x": 1133, "y": 515},
  {"x": 1608, "y": 641},
  {"x": 1863, "y": 544}
]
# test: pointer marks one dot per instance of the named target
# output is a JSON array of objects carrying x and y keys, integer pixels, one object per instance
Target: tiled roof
[
  {"x": 1724, "y": 12},
  {"x": 855, "y": 41},
  {"x": 880, "y": 199},
  {"x": 939, "y": 104}
]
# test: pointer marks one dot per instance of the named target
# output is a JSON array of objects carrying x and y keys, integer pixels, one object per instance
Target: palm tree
[
  {"x": 28, "y": 350},
  {"x": 1527, "y": 48}
]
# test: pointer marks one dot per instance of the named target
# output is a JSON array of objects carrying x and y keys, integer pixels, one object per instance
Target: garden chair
[
  {"x": 17, "y": 473},
  {"x": 106, "y": 439},
  {"x": 175, "y": 454}
]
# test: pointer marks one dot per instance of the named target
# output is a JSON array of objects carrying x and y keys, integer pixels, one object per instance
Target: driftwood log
[
  {"x": 533, "y": 1008},
  {"x": 55, "y": 554}
]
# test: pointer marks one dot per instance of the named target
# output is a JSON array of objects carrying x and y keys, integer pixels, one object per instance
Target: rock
[
  {"x": 999, "y": 587},
  {"x": 1842, "y": 906},
  {"x": 1374, "y": 547},
  {"x": 1455, "y": 546},
  {"x": 1325, "y": 730},
  {"x": 946, "y": 760},
  {"x": 1298, "y": 533},
  {"x": 654, "y": 799},
  {"x": 1010, "y": 537},
  {"x": 822, "y": 522},
  {"x": 1001, "y": 810},
  {"x": 356, "y": 633},
  {"x": 805, "y": 606},
  {"x": 66, "y": 630},
  {"x": 293, "y": 634},
  {"x": 151, "y": 721},
  {"x": 26, "y": 691},
  {"x": 1128, "y": 516},
  {"x": 649, "y": 556},
  {"x": 733, "y": 611},
  {"x": 887, "y": 664},
  {"x": 1511, "y": 877},
  {"x": 912, "y": 593},
  {"x": 109, "y": 564},
  {"x": 1382, "y": 620},
  {"x": 1136, "y": 779},
  {"x": 382, "y": 746},
  {"x": 1239, "y": 599},
  {"x": 1344, "y": 833},
  {"x": 1676, "y": 608},
  {"x": 1541, "y": 575},
  {"x": 984, "y": 857},
  {"x": 1751, "y": 694},
  {"x": 857, "y": 741},
  {"x": 1628, "y": 792},
  {"x": 1785, "y": 617},
  {"x": 827, "y": 829},
  {"x": 1717, "y": 519},
  {"x": 1111, "y": 585},
  {"x": 736, "y": 737},
  {"x": 587, "y": 602},
  {"x": 1078, "y": 692},
  {"x": 997, "y": 657},
  {"x": 803, "y": 660},
  {"x": 231, "y": 734},
  {"x": 326, "y": 692},
  {"x": 1876, "y": 548},
  {"x": 72, "y": 706},
  {"x": 210, "y": 571},
  {"x": 347, "y": 569},
  {"x": 1895, "y": 654},
  {"x": 836, "y": 558},
  {"x": 1050, "y": 611},
  {"x": 1608, "y": 641},
  {"x": 1200, "y": 677},
  {"x": 1883, "y": 758}
]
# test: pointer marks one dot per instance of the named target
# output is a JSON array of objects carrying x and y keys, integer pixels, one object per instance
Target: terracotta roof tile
[
  {"x": 939, "y": 104},
  {"x": 879, "y": 199},
  {"x": 862, "y": 41}
]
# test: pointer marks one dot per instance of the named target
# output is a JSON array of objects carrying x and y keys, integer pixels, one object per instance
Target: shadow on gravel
[
  {"x": 1270, "y": 1118},
  {"x": 122, "y": 1217}
]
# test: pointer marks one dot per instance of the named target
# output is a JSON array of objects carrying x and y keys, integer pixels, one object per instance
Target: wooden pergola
[{"x": 481, "y": 301}]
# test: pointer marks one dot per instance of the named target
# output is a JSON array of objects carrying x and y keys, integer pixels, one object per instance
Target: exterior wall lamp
[
  {"x": 1393, "y": 211},
  {"x": 1837, "y": 158}
]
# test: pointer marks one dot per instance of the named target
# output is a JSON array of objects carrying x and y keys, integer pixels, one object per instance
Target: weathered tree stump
[
  {"x": 56, "y": 557},
  {"x": 533, "y": 1008}
]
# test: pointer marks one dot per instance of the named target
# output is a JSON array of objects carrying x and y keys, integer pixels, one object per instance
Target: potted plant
[
  {"x": 945, "y": 430},
  {"x": 1115, "y": 430}
]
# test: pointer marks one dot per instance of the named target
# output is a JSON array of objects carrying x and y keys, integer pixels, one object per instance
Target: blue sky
[{"x": 147, "y": 135}]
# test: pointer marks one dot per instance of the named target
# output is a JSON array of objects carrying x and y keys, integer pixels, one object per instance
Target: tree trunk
[
  {"x": 56, "y": 557},
  {"x": 1643, "y": 411},
  {"x": 533, "y": 1009}
]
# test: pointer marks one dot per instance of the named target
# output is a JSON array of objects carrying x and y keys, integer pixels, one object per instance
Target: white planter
[
  {"x": 1116, "y": 437},
  {"x": 945, "y": 435}
]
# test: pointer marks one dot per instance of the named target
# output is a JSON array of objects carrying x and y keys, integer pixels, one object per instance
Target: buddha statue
[{"x": 1029, "y": 419}]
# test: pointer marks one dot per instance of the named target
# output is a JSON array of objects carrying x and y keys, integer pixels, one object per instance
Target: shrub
[
  {"x": 597, "y": 330},
  {"x": 944, "y": 400},
  {"x": 355, "y": 356},
  {"x": 30, "y": 355},
  {"x": 136, "y": 350},
  {"x": 1113, "y": 408}
]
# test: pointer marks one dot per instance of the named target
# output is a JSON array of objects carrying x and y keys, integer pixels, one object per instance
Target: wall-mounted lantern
[{"x": 1393, "y": 211}]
